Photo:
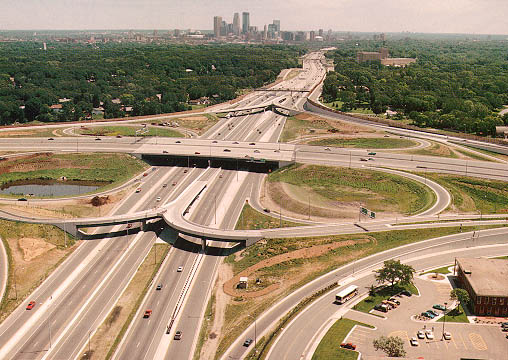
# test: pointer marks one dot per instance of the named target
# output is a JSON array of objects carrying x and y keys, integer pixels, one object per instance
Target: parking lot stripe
[{"x": 463, "y": 342}]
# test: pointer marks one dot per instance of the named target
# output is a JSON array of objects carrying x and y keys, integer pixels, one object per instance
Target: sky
[{"x": 430, "y": 16}]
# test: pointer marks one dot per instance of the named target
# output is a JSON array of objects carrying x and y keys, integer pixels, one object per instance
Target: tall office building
[
  {"x": 217, "y": 23},
  {"x": 277, "y": 25},
  {"x": 236, "y": 24},
  {"x": 245, "y": 22}
]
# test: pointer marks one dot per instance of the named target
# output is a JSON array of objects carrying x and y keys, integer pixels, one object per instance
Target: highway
[{"x": 429, "y": 248}]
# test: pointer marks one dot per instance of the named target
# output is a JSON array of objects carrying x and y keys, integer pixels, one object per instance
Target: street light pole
[{"x": 444, "y": 320}]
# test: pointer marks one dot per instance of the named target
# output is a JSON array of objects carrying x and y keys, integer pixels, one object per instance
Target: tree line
[
  {"x": 150, "y": 79},
  {"x": 455, "y": 84}
]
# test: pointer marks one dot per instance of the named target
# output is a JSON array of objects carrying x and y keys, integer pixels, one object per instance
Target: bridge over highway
[{"x": 286, "y": 111}]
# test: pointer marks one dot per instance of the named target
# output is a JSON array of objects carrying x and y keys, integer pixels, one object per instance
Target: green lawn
[
  {"x": 455, "y": 315},
  {"x": 128, "y": 131},
  {"x": 473, "y": 155},
  {"x": 295, "y": 128},
  {"x": 366, "y": 143},
  {"x": 378, "y": 191},
  {"x": 442, "y": 270},
  {"x": 329, "y": 346},
  {"x": 251, "y": 219},
  {"x": 383, "y": 293}
]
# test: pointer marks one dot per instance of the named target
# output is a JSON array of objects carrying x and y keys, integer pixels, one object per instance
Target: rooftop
[{"x": 486, "y": 276}]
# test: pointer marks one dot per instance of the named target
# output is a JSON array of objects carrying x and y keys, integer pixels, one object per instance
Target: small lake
[{"x": 48, "y": 188}]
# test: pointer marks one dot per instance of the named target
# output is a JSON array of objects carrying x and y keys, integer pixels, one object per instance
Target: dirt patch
[
  {"x": 34, "y": 162},
  {"x": 305, "y": 253},
  {"x": 340, "y": 126},
  {"x": 196, "y": 118},
  {"x": 33, "y": 247}
]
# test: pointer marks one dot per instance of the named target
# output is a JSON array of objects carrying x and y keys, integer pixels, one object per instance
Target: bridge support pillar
[
  {"x": 203, "y": 244},
  {"x": 143, "y": 225}
]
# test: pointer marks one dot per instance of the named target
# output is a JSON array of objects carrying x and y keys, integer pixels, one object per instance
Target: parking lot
[{"x": 482, "y": 341}]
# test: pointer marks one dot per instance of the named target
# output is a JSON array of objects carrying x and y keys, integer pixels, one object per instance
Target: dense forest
[
  {"x": 458, "y": 85},
  {"x": 145, "y": 79}
]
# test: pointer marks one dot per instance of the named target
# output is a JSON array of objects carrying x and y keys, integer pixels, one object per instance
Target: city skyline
[{"x": 433, "y": 16}]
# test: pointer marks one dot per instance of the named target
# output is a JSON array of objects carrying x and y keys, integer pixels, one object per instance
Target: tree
[
  {"x": 394, "y": 272},
  {"x": 461, "y": 295},
  {"x": 393, "y": 346}
]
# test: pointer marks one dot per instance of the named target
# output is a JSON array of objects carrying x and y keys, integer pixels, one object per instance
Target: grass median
[
  {"x": 366, "y": 143},
  {"x": 128, "y": 131},
  {"x": 251, "y": 219}
]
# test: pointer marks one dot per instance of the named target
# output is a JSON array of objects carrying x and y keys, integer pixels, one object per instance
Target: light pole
[
  {"x": 15, "y": 285},
  {"x": 255, "y": 332},
  {"x": 444, "y": 320},
  {"x": 89, "y": 347}
]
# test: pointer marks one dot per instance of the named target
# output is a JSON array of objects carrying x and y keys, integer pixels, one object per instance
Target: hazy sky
[{"x": 451, "y": 16}]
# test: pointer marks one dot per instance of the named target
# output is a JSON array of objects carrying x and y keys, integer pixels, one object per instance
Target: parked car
[
  {"x": 252, "y": 143},
  {"x": 247, "y": 342},
  {"x": 22, "y": 199},
  {"x": 227, "y": 150},
  {"x": 439, "y": 307},
  {"x": 328, "y": 149},
  {"x": 164, "y": 185},
  {"x": 420, "y": 334},
  {"x": 138, "y": 190},
  {"x": 164, "y": 152},
  {"x": 51, "y": 139},
  {"x": 147, "y": 313},
  {"x": 394, "y": 300},
  {"x": 406, "y": 293},
  {"x": 349, "y": 346},
  {"x": 413, "y": 341},
  {"x": 447, "y": 335},
  {"x": 433, "y": 312},
  {"x": 429, "y": 335},
  {"x": 30, "y": 305},
  {"x": 178, "y": 335},
  {"x": 505, "y": 329},
  {"x": 178, "y": 142},
  {"x": 381, "y": 307}
]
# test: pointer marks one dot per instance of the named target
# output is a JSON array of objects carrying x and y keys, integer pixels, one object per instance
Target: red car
[
  {"x": 30, "y": 305},
  {"x": 147, "y": 313}
]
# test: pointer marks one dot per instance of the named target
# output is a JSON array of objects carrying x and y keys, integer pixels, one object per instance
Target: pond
[{"x": 49, "y": 188}]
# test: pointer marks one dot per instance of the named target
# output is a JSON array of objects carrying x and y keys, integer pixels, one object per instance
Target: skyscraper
[
  {"x": 277, "y": 25},
  {"x": 236, "y": 24},
  {"x": 217, "y": 23},
  {"x": 245, "y": 22}
]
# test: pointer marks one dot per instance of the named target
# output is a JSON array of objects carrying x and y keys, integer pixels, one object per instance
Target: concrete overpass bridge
[
  {"x": 283, "y": 90},
  {"x": 276, "y": 108}
]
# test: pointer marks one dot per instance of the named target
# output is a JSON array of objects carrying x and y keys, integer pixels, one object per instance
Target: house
[
  {"x": 242, "y": 284},
  {"x": 56, "y": 108}
]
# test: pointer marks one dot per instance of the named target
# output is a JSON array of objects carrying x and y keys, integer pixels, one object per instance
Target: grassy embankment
[
  {"x": 328, "y": 347},
  {"x": 251, "y": 219},
  {"x": 128, "y": 131},
  {"x": 42, "y": 132},
  {"x": 474, "y": 195},
  {"x": 296, "y": 127},
  {"x": 110, "y": 332},
  {"x": 378, "y": 191},
  {"x": 108, "y": 170},
  {"x": 442, "y": 270},
  {"x": 486, "y": 152},
  {"x": 33, "y": 252},
  {"x": 294, "y": 273},
  {"x": 366, "y": 143},
  {"x": 198, "y": 123},
  {"x": 457, "y": 315},
  {"x": 436, "y": 149}
]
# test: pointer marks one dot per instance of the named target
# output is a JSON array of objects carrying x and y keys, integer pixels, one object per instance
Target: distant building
[
  {"x": 486, "y": 282},
  {"x": 312, "y": 35},
  {"x": 217, "y": 24},
  {"x": 245, "y": 22},
  {"x": 320, "y": 32},
  {"x": 236, "y": 24},
  {"x": 502, "y": 130},
  {"x": 277, "y": 25},
  {"x": 383, "y": 56},
  {"x": 56, "y": 108}
]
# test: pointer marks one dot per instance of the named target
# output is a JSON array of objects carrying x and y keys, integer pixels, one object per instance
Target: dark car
[
  {"x": 266, "y": 210},
  {"x": 178, "y": 142},
  {"x": 439, "y": 307},
  {"x": 247, "y": 342},
  {"x": 227, "y": 150},
  {"x": 51, "y": 139},
  {"x": 97, "y": 139},
  {"x": 252, "y": 144},
  {"x": 349, "y": 346},
  {"x": 22, "y": 199},
  {"x": 159, "y": 287},
  {"x": 405, "y": 292},
  {"x": 371, "y": 153},
  {"x": 214, "y": 142},
  {"x": 119, "y": 136},
  {"x": 197, "y": 152},
  {"x": 236, "y": 142},
  {"x": 164, "y": 152},
  {"x": 147, "y": 313}
]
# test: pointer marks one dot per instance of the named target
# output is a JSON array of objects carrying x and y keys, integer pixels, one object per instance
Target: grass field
[
  {"x": 457, "y": 315},
  {"x": 436, "y": 149},
  {"x": 34, "y": 251},
  {"x": 20, "y": 132},
  {"x": 296, "y": 127},
  {"x": 375, "y": 190},
  {"x": 473, "y": 155},
  {"x": 251, "y": 219},
  {"x": 198, "y": 123},
  {"x": 486, "y": 152},
  {"x": 128, "y": 131},
  {"x": 329, "y": 346},
  {"x": 337, "y": 105},
  {"x": 473, "y": 194},
  {"x": 106, "y": 169},
  {"x": 366, "y": 143},
  {"x": 442, "y": 270},
  {"x": 383, "y": 293}
]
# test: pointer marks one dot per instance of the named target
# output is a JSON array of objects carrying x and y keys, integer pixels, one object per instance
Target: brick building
[{"x": 486, "y": 281}]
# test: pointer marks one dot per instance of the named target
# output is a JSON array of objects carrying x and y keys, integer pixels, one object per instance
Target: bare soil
[{"x": 33, "y": 247}]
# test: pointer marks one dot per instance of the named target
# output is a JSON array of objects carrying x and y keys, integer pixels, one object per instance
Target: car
[
  {"x": 158, "y": 199},
  {"x": 227, "y": 150},
  {"x": 145, "y": 174},
  {"x": 96, "y": 139},
  {"x": 236, "y": 143},
  {"x": 504, "y": 324},
  {"x": 119, "y": 136},
  {"x": 178, "y": 335},
  {"x": 406, "y": 293},
  {"x": 247, "y": 342},
  {"x": 220, "y": 176},
  {"x": 372, "y": 159},
  {"x": 174, "y": 183},
  {"x": 164, "y": 152},
  {"x": 387, "y": 135},
  {"x": 381, "y": 307},
  {"x": 252, "y": 143},
  {"x": 185, "y": 171},
  {"x": 22, "y": 199},
  {"x": 129, "y": 225},
  {"x": 164, "y": 185},
  {"x": 505, "y": 329},
  {"x": 138, "y": 190},
  {"x": 256, "y": 151},
  {"x": 147, "y": 313},
  {"x": 349, "y": 346},
  {"x": 363, "y": 159},
  {"x": 420, "y": 334},
  {"x": 214, "y": 142},
  {"x": 196, "y": 153},
  {"x": 276, "y": 151},
  {"x": 266, "y": 210},
  {"x": 447, "y": 335},
  {"x": 427, "y": 315},
  {"x": 30, "y": 305},
  {"x": 413, "y": 341},
  {"x": 371, "y": 153},
  {"x": 507, "y": 336},
  {"x": 439, "y": 307},
  {"x": 430, "y": 315},
  {"x": 180, "y": 269},
  {"x": 51, "y": 139},
  {"x": 328, "y": 149},
  {"x": 394, "y": 300},
  {"x": 429, "y": 334},
  {"x": 159, "y": 287},
  {"x": 178, "y": 142},
  {"x": 433, "y": 312}
]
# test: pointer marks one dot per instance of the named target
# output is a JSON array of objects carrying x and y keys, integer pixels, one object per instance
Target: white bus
[{"x": 346, "y": 294}]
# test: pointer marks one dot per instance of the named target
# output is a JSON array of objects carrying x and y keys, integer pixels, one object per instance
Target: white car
[
  {"x": 447, "y": 335},
  {"x": 413, "y": 341},
  {"x": 158, "y": 198},
  {"x": 420, "y": 334},
  {"x": 180, "y": 269},
  {"x": 429, "y": 335}
]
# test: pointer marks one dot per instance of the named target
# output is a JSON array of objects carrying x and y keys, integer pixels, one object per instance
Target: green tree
[
  {"x": 393, "y": 346},
  {"x": 394, "y": 272},
  {"x": 461, "y": 295}
]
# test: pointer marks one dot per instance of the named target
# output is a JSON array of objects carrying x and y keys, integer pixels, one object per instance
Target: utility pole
[
  {"x": 444, "y": 320},
  {"x": 280, "y": 210},
  {"x": 15, "y": 285},
  {"x": 309, "y": 206},
  {"x": 350, "y": 159},
  {"x": 89, "y": 347}
]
